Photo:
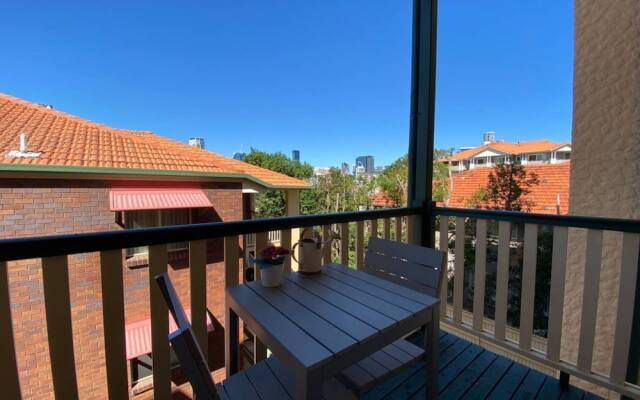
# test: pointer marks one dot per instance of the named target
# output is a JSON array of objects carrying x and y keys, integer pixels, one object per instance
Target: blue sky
[{"x": 329, "y": 78}]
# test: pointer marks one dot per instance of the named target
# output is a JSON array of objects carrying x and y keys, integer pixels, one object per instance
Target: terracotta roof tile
[
  {"x": 554, "y": 182},
  {"x": 67, "y": 140}
]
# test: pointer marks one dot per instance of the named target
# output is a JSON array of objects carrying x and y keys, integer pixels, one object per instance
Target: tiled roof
[
  {"x": 68, "y": 141},
  {"x": 554, "y": 181},
  {"x": 531, "y": 146},
  {"x": 380, "y": 199}
]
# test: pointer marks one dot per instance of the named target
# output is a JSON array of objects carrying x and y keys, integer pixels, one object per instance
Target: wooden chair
[
  {"x": 417, "y": 267},
  {"x": 265, "y": 380}
]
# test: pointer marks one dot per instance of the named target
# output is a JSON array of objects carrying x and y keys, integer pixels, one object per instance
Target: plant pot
[{"x": 270, "y": 274}]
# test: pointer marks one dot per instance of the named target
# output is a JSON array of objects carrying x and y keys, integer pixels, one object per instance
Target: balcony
[{"x": 471, "y": 339}]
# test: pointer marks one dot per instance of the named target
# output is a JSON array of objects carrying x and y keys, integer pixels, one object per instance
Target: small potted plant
[{"x": 271, "y": 263}]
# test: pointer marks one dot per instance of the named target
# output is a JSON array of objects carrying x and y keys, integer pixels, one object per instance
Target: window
[
  {"x": 499, "y": 160},
  {"x": 563, "y": 155},
  {"x": 480, "y": 161},
  {"x": 152, "y": 218}
]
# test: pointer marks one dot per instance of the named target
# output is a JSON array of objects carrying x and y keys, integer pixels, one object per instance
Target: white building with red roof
[{"x": 492, "y": 152}]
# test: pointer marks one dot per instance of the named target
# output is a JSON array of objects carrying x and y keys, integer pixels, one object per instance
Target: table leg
[
  {"x": 431, "y": 347},
  {"x": 308, "y": 386},
  {"x": 231, "y": 344}
]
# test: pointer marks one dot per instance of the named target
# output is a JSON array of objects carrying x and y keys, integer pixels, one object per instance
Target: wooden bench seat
[
  {"x": 269, "y": 380},
  {"x": 380, "y": 365}
]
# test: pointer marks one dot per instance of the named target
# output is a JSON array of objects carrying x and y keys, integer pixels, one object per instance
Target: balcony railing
[
  {"x": 520, "y": 340},
  {"x": 53, "y": 251},
  {"x": 390, "y": 223}
]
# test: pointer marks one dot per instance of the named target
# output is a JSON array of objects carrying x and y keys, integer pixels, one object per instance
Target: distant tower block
[
  {"x": 196, "y": 142},
  {"x": 295, "y": 155},
  {"x": 488, "y": 137}
]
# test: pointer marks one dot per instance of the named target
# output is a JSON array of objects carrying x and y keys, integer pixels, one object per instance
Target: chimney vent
[
  {"x": 23, "y": 150},
  {"x": 488, "y": 137}
]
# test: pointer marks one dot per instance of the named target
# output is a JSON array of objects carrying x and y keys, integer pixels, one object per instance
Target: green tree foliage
[
  {"x": 395, "y": 177},
  {"x": 507, "y": 186},
  {"x": 272, "y": 203},
  {"x": 336, "y": 192}
]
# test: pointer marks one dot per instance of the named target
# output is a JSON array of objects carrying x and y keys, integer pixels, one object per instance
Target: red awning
[
  {"x": 157, "y": 199},
  {"x": 138, "y": 335}
]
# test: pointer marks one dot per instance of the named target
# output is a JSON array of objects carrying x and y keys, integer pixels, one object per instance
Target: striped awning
[
  {"x": 157, "y": 199},
  {"x": 138, "y": 335}
]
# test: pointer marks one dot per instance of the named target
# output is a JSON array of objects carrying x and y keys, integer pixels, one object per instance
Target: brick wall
[{"x": 45, "y": 207}]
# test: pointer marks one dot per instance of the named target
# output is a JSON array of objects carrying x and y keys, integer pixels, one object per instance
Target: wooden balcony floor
[{"x": 468, "y": 371}]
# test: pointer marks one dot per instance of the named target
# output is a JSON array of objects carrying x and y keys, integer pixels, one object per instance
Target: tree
[
  {"x": 395, "y": 177},
  {"x": 272, "y": 203},
  {"x": 507, "y": 186},
  {"x": 337, "y": 192}
]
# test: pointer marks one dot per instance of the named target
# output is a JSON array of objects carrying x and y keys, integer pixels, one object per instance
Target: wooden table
[{"x": 319, "y": 325}]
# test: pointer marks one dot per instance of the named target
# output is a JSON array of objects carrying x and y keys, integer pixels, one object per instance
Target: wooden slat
[
  {"x": 358, "y": 310},
  {"x": 502, "y": 279},
  {"x": 55, "y": 277},
  {"x": 373, "y": 301},
  {"x": 262, "y": 240},
  {"x": 410, "y": 224},
  {"x": 480, "y": 274},
  {"x": 344, "y": 244},
  {"x": 386, "y": 229},
  {"x": 326, "y": 238},
  {"x": 55, "y": 281},
  {"x": 458, "y": 279},
  {"x": 409, "y": 252},
  {"x": 113, "y": 321},
  {"x": 328, "y": 335},
  {"x": 373, "y": 226},
  {"x": 268, "y": 323},
  {"x": 556, "y": 295},
  {"x": 444, "y": 246},
  {"x": 417, "y": 273},
  {"x": 285, "y": 241},
  {"x": 590, "y": 299},
  {"x": 265, "y": 382},
  {"x": 384, "y": 284},
  {"x": 198, "y": 291},
  {"x": 398, "y": 229},
  {"x": 159, "y": 324},
  {"x": 405, "y": 302},
  {"x": 337, "y": 317},
  {"x": 9, "y": 376},
  {"x": 626, "y": 296},
  {"x": 528, "y": 285},
  {"x": 231, "y": 278},
  {"x": 360, "y": 244}
]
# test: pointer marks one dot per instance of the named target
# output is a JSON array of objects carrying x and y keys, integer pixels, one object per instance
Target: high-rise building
[
  {"x": 344, "y": 168},
  {"x": 366, "y": 162},
  {"x": 196, "y": 142},
  {"x": 295, "y": 155},
  {"x": 239, "y": 155}
]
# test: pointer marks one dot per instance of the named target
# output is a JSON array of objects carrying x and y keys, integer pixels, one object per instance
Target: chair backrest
[
  {"x": 185, "y": 345},
  {"x": 414, "y": 266}
]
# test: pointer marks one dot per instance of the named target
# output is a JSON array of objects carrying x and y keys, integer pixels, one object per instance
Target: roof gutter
[{"x": 142, "y": 171}]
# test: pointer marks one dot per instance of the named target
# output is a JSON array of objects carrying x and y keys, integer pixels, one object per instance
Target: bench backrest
[{"x": 414, "y": 266}]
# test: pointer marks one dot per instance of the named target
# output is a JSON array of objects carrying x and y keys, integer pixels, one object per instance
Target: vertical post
[
  {"x": 421, "y": 124},
  {"x": 231, "y": 331},
  {"x": 9, "y": 377},
  {"x": 360, "y": 245},
  {"x": 198, "y": 291},
  {"x": 113, "y": 321},
  {"x": 633, "y": 364},
  {"x": 293, "y": 208},
  {"x": 159, "y": 324}
]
